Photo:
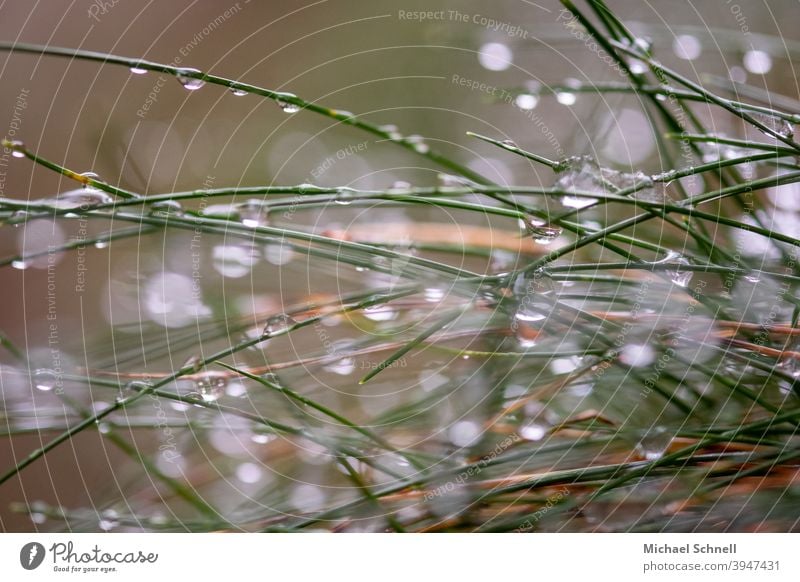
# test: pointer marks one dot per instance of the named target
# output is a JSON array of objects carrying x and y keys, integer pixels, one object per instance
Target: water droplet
[
  {"x": 526, "y": 101},
  {"x": 166, "y": 208},
  {"x": 533, "y": 293},
  {"x": 637, "y": 355},
  {"x": 344, "y": 196},
  {"x": 566, "y": 97},
  {"x": 249, "y": 473},
  {"x": 540, "y": 231},
  {"x": 285, "y": 105},
  {"x": 654, "y": 443},
  {"x": 790, "y": 360},
  {"x": 103, "y": 428},
  {"x": 45, "y": 380},
  {"x": 108, "y": 521},
  {"x": 776, "y": 124},
  {"x": 187, "y": 78},
  {"x": 211, "y": 385},
  {"x": 417, "y": 143},
  {"x": 509, "y": 143},
  {"x": 757, "y": 62},
  {"x": 400, "y": 187},
  {"x": 16, "y": 145},
  {"x": 138, "y": 71},
  {"x": 533, "y": 432},
  {"x": 252, "y": 213},
  {"x": 391, "y": 131},
  {"x": 20, "y": 264},
  {"x": 687, "y": 47},
  {"x": 101, "y": 243},
  {"x": 495, "y": 56},
  {"x": 238, "y": 92},
  {"x": 682, "y": 278},
  {"x": 278, "y": 324},
  {"x": 235, "y": 261},
  {"x": 343, "y": 367},
  {"x": 380, "y": 313},
  {"x": 83, "y": 198},
  {"x": 645, "y": 45},
  {"x": 464, "y": 433},
  {"x": 581, "y": 174}
]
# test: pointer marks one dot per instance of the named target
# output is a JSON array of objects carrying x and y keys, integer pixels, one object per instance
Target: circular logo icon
[{"x": 31, "y": 555}]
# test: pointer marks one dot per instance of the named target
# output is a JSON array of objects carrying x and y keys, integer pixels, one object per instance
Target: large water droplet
[
  {"x": 680, "y": 277},
  {"x": 252, "y": 213},
  {"x": 238, "y": 92},
  {"x": 45, "y": 379},
  {"x": 278, "y": 324},
  {"x": 344, "y": 196},
  {"x": 534, "y": 293},
  {"x": 186, "y": 77},
  {"x": 211, "y": 385},
  {"x": 654, "y": 443},
  {"x": 83, "y": 198},
  {"x": 540, "y": 231},
  {"x": 776, "y": 124},
  {"x": 581, "y": 174},
  {"x": 286, "y": 106}
]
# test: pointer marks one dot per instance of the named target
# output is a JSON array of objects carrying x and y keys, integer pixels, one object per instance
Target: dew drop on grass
[
  {"x": 238, "y": 92},
  {"x": 252, "y": 213},
  {"x": 417, "y": 142},
  {"x": 138, "y": 71},
  {"x": 509, "y": 143},
  {"x": 581, "y": 174},
  {"x": 278, "y": 324},
  {"x": 166, "y": 208},
  {"x": 16, "y": 145},
  {"x": 777, "y": 124},
  {"x": 108, "y": 520},
  {"x": 344, "y": 197},
  {"x": 400, "y": 187},
  {"x": 566, "y": 97},
  {"x": 83, "y": 198},
  {"x": 186, "y": 77},
  {"x": 211, "y": 385},
  {"x": 790, "y": 362},
  {"x": 20, "y": 264},
  {"x": 680, "y": 277},
  {"x": 45, "y": 379},
  {"x": 285, "y": 105},
  {"x": 193, "y": 363},
  {"x": 654, "y": 443},
  {"x": 533, "y": 293},
  {"x": 540, "y": 231}
]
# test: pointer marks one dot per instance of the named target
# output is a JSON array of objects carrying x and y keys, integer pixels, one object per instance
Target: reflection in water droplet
[{"x": 186, "y": 77}]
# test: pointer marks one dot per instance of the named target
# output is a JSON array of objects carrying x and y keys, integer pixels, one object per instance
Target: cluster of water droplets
[{"x": 583, "y": 175}]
